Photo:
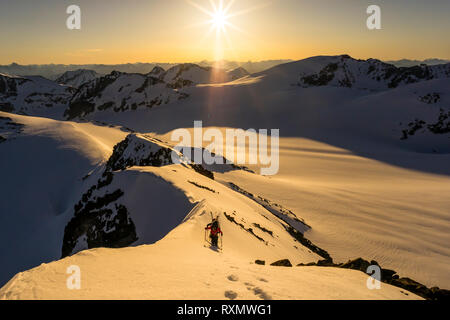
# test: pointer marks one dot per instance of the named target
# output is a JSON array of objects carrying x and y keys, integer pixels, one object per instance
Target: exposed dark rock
[
  {"x": 390, "y": 277},
  {"x": 307, "y": 243},
  {"x": 142, "y": 153},
  {"x": 180, "y": 83},
  {"x": 201, "y": 187},
  {"x": 307, "y": 264},
  {"x": 6, "y": 107},
  {"x": 149, "y": 81},
  {"x": 78, "y": 109},
  {"x": 274, "y": 208},
  {"x": 357, "y": 264},
  {"x": 260, "y": 262},
  {"x": 282, "y": 263},
  {"x": 249, "y": 230},
  {"x": 105, "y": 106},
  {"x": 441, "y": 126},
  {"x": 263, "y": 229},
  {"x": 81, "y": 105},
  {"x": 325, "y": 263},
  {"x": 101, "y": 222},
  {"x": 323, "y": 78},
  {"x": 430, "y": 98},
  {"x": 200, "y": 169}
]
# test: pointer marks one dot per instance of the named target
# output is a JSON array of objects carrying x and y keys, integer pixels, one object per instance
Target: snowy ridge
[
  {"x": 96, "y": 214},
  {"x": 77, "y": 78},
  {"x": 33, "y": 95},
  {"x": 238, "y": 73},
  {"x": 120, "y": 92},
  {"x": 345, "y": 71},
  {"x": 188, "y": 74},
  {"x": 139, "y": 150},
  {"x": 371, "y": 74}
]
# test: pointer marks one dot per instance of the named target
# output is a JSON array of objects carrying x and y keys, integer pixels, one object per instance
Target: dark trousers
[{"x": 214, "y": 240}]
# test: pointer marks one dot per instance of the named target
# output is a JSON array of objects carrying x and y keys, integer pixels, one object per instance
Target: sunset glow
[{"x": 187, "y": 30}]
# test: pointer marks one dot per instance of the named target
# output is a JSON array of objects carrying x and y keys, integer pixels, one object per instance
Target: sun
[
  {"x": 219, "y": 20},
  {"x": 219, "y": 15}
]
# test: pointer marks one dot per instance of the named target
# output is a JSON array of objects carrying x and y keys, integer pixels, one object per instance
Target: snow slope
[
  {"x": 362, "y": 207},
  {"x": 179, "y": 267},
  {"x": 42, "y": 163},
  {"x": 156, "y": 195},
  {"x": 175, "y": 199},
  {"x": 359, "y": 207}
]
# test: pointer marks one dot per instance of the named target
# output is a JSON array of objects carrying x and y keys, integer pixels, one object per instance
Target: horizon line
[{"x": 214, "y": 61}]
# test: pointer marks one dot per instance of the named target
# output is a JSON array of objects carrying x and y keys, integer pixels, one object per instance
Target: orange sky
[{"x": 117, "y": 31}]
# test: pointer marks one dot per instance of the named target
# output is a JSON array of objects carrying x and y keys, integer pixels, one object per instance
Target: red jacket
[{"x": 214, "y": 231}]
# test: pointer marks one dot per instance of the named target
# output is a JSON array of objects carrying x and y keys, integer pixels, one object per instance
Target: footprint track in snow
[
  {"x": 261, "y": 294},
  {"x": 233, "y": 277},
  {"x": 231, "y": 294}
]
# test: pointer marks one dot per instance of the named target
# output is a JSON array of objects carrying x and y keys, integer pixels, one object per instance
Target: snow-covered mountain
[
  {"x": 53, "y": 71},
  {"x": 238, "y": 73},
  {"x": 33, "y": 95},
  {"x": 344, "y": 71},
  {"x": 188, "y": 74},
  {"x": 77, "y": 78},
  {"x": 120, "y": 92}
]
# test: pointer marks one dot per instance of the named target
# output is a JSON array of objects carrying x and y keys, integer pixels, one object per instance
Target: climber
[{"x": 215, "y": 230}]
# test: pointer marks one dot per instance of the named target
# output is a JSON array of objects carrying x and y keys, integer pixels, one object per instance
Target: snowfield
[
  {"x": 179, "y": 267},
  {"x": 364, "y": 154}
]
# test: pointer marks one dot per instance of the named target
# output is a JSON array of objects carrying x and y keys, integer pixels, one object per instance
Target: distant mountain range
[
  {"x": 410, "y": 63},
  {"x": 81, "y": 92},
  {"x": 55, "y": 71}
]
